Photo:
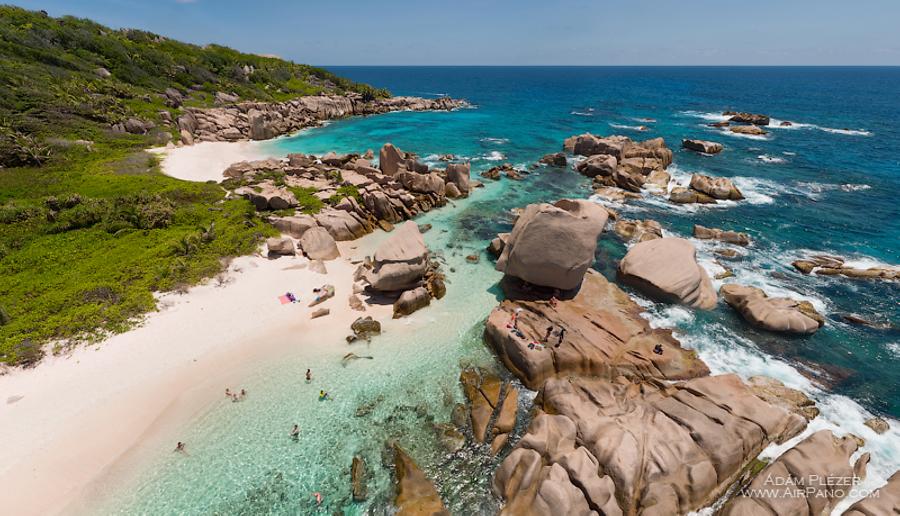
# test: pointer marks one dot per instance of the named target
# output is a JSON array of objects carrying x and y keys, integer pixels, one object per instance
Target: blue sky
[{"x": 521, "y": 32}]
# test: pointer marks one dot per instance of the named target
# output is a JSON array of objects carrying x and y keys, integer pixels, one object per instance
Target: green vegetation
[
  {"x": 89, "y": 226},
  {"x": 307, "y": 200}
]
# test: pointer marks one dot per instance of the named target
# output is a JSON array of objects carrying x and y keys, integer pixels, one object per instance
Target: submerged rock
[
  {"x": 358, "y": 479},
  {"x": 666, "y": 269},
  {"x": 727, "y": 236},
  {"x": 747, "y": 129},
  {"x": 553, "y": 245},
  {"x": 416, "y": 495},
  {"x": 778, "y": 314}
]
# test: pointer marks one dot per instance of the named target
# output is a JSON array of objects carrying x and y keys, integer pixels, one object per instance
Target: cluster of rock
[
  {"x": 626, "y": 421},
  {"x": 505, "y": 170},
  {"x": 745, "y": 123},
  {"x": 492, "y": 407},
  {"x": 401, "y": 268},
  {"x": 617, "y": 161},
  {"x": 262, "y": 121},
  {"x": 377, "y": 197},
  {"x": 722, "y": 235},
  {"x": 826, "y": 265},
  {"x": 779, "y": 314},
  {"x": 706, "y": 190},
  {"x": 638, "y": 230},
  {"x": 638, "y": 446}
]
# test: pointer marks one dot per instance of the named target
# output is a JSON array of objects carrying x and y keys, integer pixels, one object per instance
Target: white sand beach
[
  {"x": 72, "y": 418},
  {"x": 205, "y": 161}
]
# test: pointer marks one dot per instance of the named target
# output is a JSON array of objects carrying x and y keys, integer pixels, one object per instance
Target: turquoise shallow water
[{"x": 826, "y": 184}]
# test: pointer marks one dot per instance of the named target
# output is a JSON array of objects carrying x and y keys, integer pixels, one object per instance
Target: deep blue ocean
[{"x": 827, "y": 184}]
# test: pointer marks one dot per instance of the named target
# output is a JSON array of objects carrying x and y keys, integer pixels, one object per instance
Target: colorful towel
[{"x": 284, "y": 299}]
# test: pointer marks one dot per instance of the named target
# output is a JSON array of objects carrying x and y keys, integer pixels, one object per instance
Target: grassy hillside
[{"x": 89, "y": 227}]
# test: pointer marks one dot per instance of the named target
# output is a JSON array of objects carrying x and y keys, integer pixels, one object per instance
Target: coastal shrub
[
  {"x": 307, "y": 201},
  {"x": 89, "y": 233},
  {"x": 345, "y": 191}
]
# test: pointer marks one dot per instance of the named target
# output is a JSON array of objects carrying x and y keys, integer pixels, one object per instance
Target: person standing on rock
[
  {"x": 549, "y": 332},
  {"x": 562, "y": 335}
]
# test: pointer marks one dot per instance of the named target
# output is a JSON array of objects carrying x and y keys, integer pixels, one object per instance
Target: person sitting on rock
[{"x": 658, "y": 349}]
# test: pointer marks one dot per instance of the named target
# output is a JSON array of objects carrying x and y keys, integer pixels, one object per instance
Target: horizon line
[{"x": 608, "y": 66}]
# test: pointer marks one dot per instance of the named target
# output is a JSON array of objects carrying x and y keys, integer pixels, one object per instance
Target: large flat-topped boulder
[
  {"x": 400, "y": 262},
  {"x": 666, "y": 269},
  {"x": 623, "y": 447},
  {"x": 809, "y": 479},
  {"x": 552, "y": 245},
  {"x": 605, "y": 336},
  {"x": 778, "y": 314}
]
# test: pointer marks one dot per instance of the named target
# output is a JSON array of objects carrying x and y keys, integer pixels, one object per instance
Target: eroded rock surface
[
  {"x": 637, "y": 447},
  {"x": 416, "y": 495},
  {"x": 809, "y": 479},
  {"x": 605, "y": 336}
]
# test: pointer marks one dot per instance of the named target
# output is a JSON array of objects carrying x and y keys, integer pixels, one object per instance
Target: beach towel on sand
[{"x": 284, "y": 299}]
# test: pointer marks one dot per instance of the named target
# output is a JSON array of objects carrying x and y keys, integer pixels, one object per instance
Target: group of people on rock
[{"x": 513, "y": 326}]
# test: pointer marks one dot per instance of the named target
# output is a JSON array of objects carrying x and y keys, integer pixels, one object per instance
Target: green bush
[{"x": 307, "y": 201}]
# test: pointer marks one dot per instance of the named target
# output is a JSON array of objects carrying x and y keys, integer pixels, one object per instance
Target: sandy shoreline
[
  {"x": 205, "y": 161},
  {"x": 75, "y": 419}
]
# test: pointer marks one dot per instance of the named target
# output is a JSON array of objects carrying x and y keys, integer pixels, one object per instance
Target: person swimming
[
  {"x": 323, "y": 395},
  {"x": 179, "y": 447},
  {"x": 295, "y": 432}
]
